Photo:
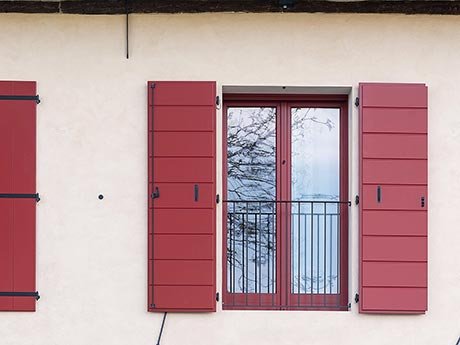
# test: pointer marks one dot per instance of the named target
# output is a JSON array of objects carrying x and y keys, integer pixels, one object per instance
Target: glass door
[{"x": 251, "y": 181}]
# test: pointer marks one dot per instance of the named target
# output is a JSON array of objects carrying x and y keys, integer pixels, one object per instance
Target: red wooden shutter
[
  {"x": 393, "y": 190},
  {"x": 182, "y": 196},
  {"x": 17, "y": 195}
]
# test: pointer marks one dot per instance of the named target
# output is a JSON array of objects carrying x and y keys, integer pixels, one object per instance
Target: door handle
[
  {"x": 156, "y": 193},
  {"x": 197, "y": 191}
]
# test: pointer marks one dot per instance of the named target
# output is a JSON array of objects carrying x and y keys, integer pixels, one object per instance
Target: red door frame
[{"x": 283, "y": 299}]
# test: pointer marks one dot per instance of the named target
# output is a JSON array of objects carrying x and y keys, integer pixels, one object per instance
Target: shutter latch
[
  {"x": 217, "y": 198},
  {"x": 357, "y": 101},
  {"x": 217, "y": 296},
  {"x": 357, "y": 200},
  {"x": 156, "y": 193},
  {"x": 356, "y": 298}
]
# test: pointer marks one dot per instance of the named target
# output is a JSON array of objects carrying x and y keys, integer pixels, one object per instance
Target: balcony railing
[{"x": 285, "y": 254}]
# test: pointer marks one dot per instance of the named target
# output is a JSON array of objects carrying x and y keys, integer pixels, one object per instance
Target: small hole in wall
[{"x": 100, "y": 196}]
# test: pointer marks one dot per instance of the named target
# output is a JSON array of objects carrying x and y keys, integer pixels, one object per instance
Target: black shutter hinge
[
  {"x": 152, "y": 305},
  {"x": 357, "y": 101},
  {"x": 356, "y": 298},
  {"x": 152, "y": 85},
  {"x": 357, "y": 200},
  {"x": 35, "y": 98},
  {"x": 217, "y": 198},
  {"x": 20, "y": 196},
  {"x": 35, "y": 294},
  {"x": 217, "y": 100},
  {"x": 217, "y": 296}
]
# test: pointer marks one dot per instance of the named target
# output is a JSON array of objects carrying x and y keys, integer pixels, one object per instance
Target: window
[{"x": 286, "y": 203}]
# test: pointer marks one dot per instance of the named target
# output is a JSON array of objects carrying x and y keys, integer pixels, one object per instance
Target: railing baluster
[
  {"x": 255, "y": 252},
  {"x": 298, "y": 254},
  {"x": 339, "y": 271},
  {"x": 246, "y": 263},
  {"x": 324, "y": 255},
  {"x": 230, "y": 219},
  {"x": 243, "y": 249},
  {"x": 233, "y": 257},
  {"x": 311, "y": 253},
  {"x": 268, "y": 254},
  {"x": 330, "y": 253},
  {"x": 317, "y": 253},
  {"x": 305, "y": 254},
  {"x": 259, "y": 258}
]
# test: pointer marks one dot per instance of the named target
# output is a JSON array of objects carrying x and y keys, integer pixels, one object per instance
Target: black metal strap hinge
[
  {"x": 217, "y": 297},
  {"x": 356, "y": 298},
  {"x": 35, "y": 294},
  {"x": 217, "y": 198},
  {"x": 20, "y": 196},
  {"x": 357, "y": 200},
  {"x": 20, "y": 98}
]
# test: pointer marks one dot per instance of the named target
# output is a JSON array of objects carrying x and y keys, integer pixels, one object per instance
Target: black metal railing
[{"x": 284, "y": 254}]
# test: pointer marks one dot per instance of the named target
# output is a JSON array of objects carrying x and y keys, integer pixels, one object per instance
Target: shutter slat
[
  {"x": 403, "y": 274},
  {"x": 395, "y": 146},
  {"x": 393, "y": 203},
  {"x": 394, "y": 300},
  {"x": 390, "y": 171},
  {"x": 396, "y": 223},
  {"x": 182, "y": 166},
  {"x": 175, "y": 118},
  {"x": 168, "y": 144},
  {"x": 187, "y": 221}
]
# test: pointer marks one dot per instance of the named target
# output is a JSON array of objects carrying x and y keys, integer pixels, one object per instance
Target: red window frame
[{"x": 284, "y": 299}]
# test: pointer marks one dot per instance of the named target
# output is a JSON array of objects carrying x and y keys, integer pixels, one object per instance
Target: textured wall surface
[{"x": 92, "y": 138}]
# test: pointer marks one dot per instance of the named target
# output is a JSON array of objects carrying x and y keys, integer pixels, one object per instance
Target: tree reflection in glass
[{"x": 251, "y": 175}]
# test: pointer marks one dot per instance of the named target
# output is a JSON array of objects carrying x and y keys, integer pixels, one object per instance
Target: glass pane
[
  {"x": 251, "y": 176},
  {"x": 315, "y": 231}
]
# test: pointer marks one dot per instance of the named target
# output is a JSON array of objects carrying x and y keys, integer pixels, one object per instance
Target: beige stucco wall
[{"x": 91, "y": 254}]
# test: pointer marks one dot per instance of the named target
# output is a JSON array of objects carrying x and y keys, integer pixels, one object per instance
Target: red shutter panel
[
  {"x": 393, "y": 190},
  {"x": 17, "y": 195},
  {"x": 182, "y": 196}
]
